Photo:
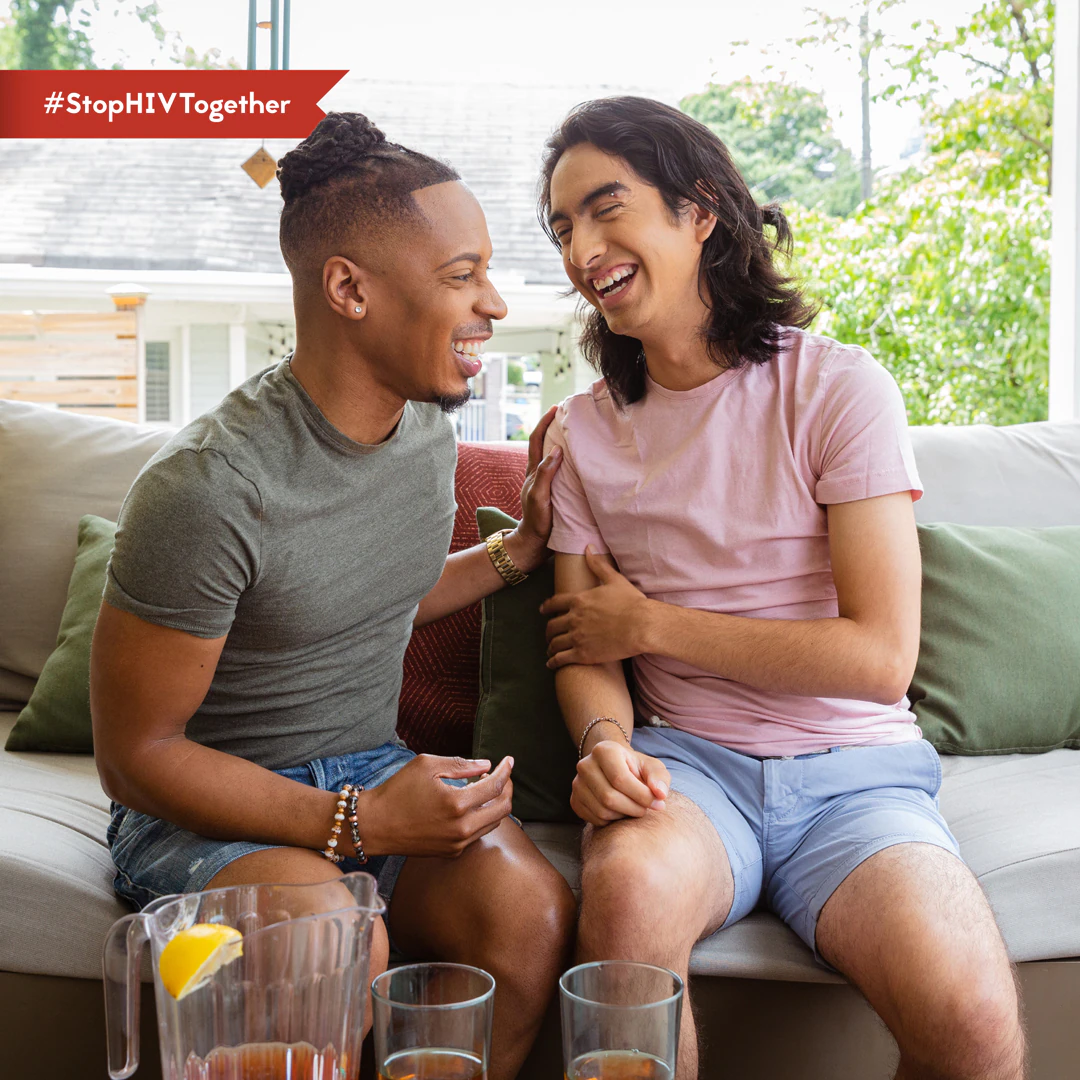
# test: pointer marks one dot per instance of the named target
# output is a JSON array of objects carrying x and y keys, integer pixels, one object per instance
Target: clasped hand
[
  {"x": 616, "y": 781},
  {"x": 415, "y": 813},
  {"x": 597, "y": 625}
]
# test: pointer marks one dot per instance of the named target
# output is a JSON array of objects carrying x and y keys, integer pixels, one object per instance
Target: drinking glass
[
  {"x": 433, "y": 1022},
  {"x": 620, "y": 1021}
]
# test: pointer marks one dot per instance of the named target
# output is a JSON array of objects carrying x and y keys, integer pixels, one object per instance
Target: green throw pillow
[
  {"x": 518, "y": 712},
  {"x": 999, "y": 658},
  {"x": 57, "y": 716}
]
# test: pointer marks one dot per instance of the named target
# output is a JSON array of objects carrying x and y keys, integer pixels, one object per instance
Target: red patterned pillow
[{"x": 441, "y": 686}]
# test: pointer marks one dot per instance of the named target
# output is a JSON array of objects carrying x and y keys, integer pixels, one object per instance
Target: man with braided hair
[{"x": 270, "y": 563}]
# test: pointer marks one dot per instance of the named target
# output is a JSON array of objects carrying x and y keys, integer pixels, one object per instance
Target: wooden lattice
[{"x": 85, "y": 362}]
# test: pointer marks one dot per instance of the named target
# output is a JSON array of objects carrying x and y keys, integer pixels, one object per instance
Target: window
[{"x": 157, "y": 381}]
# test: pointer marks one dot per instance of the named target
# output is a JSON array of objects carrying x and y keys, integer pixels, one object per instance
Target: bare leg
[
  {"x": 912, "y": 929},
  {"x": 500, "y": 906},
  {"x": 651, "y": 887},
  {"x": 299, "y": 866}
]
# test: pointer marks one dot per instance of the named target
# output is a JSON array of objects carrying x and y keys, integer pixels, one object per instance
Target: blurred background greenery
[{"x": 943, "y": 270}]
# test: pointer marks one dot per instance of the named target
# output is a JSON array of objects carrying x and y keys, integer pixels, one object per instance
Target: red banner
[{"x": 162, "y": 104}]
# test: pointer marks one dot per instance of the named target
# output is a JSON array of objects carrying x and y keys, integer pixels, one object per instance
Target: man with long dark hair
[{"x": 734, "y": 513}]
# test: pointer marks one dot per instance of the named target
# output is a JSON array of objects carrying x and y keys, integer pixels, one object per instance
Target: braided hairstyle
[
  {"x": 346, "y": 182},
  {"x": 751, "y": 302}
]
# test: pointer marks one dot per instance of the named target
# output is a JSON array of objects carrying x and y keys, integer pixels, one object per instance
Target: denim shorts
[
  {"x": 154, "y": 858},
  {"x": 794, "y": 828}
]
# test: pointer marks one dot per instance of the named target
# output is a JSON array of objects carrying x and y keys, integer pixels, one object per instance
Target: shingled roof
[{"x": 186, "y": 205}]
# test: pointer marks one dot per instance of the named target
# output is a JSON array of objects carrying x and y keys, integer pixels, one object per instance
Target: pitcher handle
[{"x": 122, "y": 968}]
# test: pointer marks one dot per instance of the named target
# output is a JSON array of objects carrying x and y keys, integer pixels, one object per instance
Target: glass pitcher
[{"x": 291, "y": 1006}]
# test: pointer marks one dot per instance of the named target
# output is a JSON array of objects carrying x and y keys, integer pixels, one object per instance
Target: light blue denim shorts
[
  {"x": 154, "y": 858},
  {"x": 794, "y": 828}
]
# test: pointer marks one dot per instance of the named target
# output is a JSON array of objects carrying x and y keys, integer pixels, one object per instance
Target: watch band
[{"x": 501, "y": 560}]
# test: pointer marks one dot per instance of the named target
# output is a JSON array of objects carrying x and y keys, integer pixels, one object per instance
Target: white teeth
[
  {"x": 614, "y": 291},
  {"x": 459, "y": 346},
  {"x": 469, "y": 348},
  {"x": 605, "y": 283}
]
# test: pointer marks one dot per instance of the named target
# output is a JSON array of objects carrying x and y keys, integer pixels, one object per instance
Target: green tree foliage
[
  {"x": 46, "y": 34},
  {"x": 57, "y": 35},
  {"x": 944, "y": 274},
  {"x": 782, "y": 139},
  {"x": 1008, "y": 49},
  {"x": 946, "y": 280}
]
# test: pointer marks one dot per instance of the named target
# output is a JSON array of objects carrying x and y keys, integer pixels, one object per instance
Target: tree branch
[
  {"x": 1021, "y": 26},
  {"x": 1003, "y": 72},
  {"x": 1044, "y": 147}
]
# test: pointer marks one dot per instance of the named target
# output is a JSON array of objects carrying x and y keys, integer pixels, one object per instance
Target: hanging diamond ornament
[{"x": 261, "y": 167}]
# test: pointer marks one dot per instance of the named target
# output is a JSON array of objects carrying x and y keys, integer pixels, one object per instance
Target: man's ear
[
  {"x": 345, "y": 287},
  {"x": 703, "y": 221}
]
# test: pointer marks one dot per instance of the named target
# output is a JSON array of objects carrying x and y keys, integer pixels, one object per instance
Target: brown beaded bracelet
[
  {"x": 354, "y": 825},
  {"x": 346, "y": 810}
]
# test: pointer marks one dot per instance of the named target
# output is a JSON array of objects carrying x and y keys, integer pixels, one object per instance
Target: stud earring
[{"x": 358, "y": 309}]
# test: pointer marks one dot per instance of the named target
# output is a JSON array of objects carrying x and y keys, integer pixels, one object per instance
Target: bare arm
[
  {"x": 470, "y": 575},
  {"x": 612, "y": 779},
  {"x": 868, "y": 652},
  {"x": 146, "y": 682}
]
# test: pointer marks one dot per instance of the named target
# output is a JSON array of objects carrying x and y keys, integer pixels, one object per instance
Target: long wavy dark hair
[{"x": 752, "y": 303}]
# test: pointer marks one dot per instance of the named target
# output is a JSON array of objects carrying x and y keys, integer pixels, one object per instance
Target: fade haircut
[
  {"x": 751, "y": 302},
  {"x": 345, "y": 181}
]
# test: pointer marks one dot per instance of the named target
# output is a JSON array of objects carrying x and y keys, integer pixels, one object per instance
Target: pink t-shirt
[{"x": 714, "y": 498}]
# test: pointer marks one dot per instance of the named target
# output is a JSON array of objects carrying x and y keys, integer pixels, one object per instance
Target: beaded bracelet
[
  {"x": 346, "y": 809},
  {"x": 354, "y": 825}
]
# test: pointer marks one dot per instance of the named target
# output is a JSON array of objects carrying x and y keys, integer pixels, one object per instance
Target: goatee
[{"x": 450, "y": 403}]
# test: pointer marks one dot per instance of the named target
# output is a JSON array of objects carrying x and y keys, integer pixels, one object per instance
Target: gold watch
[{"x": 501, "y": 560}]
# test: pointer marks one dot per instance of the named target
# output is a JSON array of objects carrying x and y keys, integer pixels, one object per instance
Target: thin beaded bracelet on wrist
[
  {"x": 354, "y": 825},
  {"x": 346, "y": 810},
  {"x": 600, "y": 720}
]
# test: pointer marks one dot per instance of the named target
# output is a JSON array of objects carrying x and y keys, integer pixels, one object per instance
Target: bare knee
[
  {"x": 976, "y": 1032},
  {"x": 520, "y": 906},
  {"x": 324, "y": 889},
  {"x": 649, "y": 893}
]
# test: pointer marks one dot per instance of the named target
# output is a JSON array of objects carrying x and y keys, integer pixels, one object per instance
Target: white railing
[{"x": 471, "y": 421}]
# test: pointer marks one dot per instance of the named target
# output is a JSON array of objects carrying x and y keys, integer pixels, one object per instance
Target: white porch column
[
  {"x": 185, "y": 374},
  {"x": 494, "y": 410},
  {"x": 1065, "y": 253},
  {"x": 237, "y": 354}
]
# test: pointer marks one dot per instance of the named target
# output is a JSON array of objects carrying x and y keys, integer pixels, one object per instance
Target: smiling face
[
  {"x": 430, "y": 304},
  {"x": 623, "y": 249}
]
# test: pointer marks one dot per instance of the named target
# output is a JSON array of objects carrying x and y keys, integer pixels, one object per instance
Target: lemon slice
[{"x": 193, "y": 955}]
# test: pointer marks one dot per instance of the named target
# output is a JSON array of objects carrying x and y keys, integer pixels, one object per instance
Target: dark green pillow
[
  {"x": 999, "y": 658},
  {"x": 518, "y": 712},
  {"x": 57, "y": 716}
]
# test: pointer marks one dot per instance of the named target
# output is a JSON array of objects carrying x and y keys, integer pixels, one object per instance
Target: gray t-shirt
[{"x": 263, "y": 522}]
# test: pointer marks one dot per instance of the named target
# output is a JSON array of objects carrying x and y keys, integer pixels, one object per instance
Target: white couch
[{"x": 1017, "y": 817}]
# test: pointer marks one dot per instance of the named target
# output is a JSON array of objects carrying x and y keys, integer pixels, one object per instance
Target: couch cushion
[
  {"x": 57, "y": 466},
  {"x": 57, "y": 717},
  {"x": 440, "y": 687},
  {"x": 518, "y": 713},
  {"x": 1024, "y": 474},
  {"x": 987, "y": 588},
  {"x": 57, "y": 901},
  {"x": 1017, "y": 819}
]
